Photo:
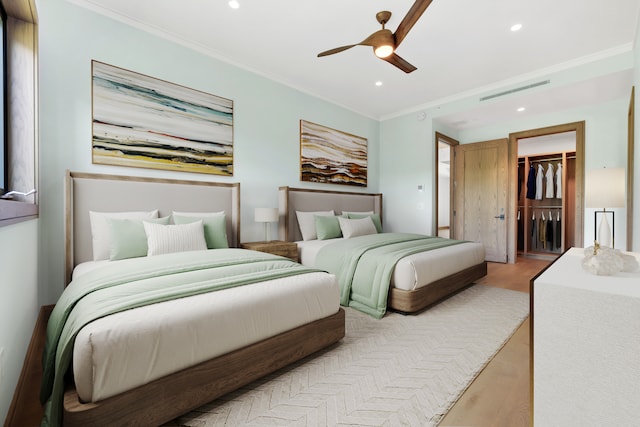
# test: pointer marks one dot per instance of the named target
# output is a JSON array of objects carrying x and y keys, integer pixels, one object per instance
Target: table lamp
[
  {"x": 266, "y": 215},
  {"x": 605, "y": 188}
]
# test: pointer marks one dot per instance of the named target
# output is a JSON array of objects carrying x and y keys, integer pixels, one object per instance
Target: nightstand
[{"x": 276, "y": 247}]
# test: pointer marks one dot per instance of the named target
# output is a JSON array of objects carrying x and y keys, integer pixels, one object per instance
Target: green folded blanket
[{"x": 364, "y": 265}]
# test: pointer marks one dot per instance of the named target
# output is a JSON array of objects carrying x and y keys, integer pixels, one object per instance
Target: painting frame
[
  {"x": 141, "y": 121},
  {"x": 332, "y": 156}
]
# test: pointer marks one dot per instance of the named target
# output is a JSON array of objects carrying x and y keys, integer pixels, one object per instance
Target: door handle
[{"x": 500, "y": 217}]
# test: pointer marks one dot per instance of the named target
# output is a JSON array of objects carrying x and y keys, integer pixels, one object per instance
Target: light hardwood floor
[{"x": 499, "y": 396}]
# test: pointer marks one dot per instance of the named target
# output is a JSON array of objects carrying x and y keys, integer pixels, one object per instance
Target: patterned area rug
[{"x": 397, "y": 371}]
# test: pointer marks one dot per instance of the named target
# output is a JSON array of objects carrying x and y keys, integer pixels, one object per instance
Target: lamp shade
[
  {"x": 605, "y": 188},
  {"x": 266, "y": 215}
]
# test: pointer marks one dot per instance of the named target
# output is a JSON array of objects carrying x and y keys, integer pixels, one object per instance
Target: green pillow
[
  {"x": 327, "y": 227},
  {"x": 215, "y": 228},
  {"x": 128, "y": 238},
  {"x": 374, "y": 217}
]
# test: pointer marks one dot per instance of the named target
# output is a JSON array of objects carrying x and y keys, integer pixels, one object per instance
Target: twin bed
[
  {"x": 417, "y": 281},
  {"x": 147, "y": 362},
  {"x": 148, "y": 365}
]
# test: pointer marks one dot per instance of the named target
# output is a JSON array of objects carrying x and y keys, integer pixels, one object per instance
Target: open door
[
  {"x": 445, "y": 170},
  {"x": 480, "y": 196}
]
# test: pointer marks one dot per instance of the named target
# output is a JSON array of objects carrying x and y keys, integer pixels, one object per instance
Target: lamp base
[
  {"x": 604, "y": 234},
  {"x": 267, "y": 232}
]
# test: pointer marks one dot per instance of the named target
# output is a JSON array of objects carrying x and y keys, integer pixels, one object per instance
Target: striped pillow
[
  {"x": 357, "y": 227},
  {"x": 164, "y": 239}
]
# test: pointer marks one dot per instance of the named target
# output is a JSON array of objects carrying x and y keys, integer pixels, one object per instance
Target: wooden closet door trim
[{"x": 578, "y": 226}]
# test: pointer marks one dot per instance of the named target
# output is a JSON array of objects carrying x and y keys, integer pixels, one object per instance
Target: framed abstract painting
[
  {"x": 141, "y": 121},
  {"x": 332, "y": 156}
]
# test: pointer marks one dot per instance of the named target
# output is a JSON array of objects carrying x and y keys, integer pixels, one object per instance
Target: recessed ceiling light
[
  {"x": 521, "y": 109},
  {"x": 516, "y": 27},
  {"x": 233, "y": 4},
  {"x": 378, "y": 83}
]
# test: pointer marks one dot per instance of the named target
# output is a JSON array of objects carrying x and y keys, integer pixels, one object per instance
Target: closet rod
[
  {"x": 552, "y": 159},
  {"x": 545, "y": 207}
]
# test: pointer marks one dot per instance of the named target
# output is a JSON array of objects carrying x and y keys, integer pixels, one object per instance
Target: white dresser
[{"x": 585, "y": 346}]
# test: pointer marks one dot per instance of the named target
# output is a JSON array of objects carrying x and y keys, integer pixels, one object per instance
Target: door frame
[
  {"x": 578, "y": 128},
  {"x": 630, "y": 166},
  {"x": 452, "y": 143}
]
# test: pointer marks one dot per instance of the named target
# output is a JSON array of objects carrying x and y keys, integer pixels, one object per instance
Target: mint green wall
[
  {"x": 266, "y": 117},
  {"x": 406, "y": 145},
  {"x": 19, "y": 303}
]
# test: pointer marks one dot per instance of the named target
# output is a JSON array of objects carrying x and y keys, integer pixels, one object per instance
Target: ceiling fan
[{"x": 384, "y": 42}]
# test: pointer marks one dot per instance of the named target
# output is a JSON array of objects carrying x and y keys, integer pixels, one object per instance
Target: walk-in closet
[{"x": 546, "y": 194}]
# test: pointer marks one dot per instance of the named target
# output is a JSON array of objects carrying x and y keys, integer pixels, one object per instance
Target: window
[
  {"x": 18, "y": 154},
  {"x": 3, "y": 102}
]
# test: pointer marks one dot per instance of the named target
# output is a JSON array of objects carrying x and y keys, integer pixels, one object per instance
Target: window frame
[
  {"x": 11, "y": 211},
  {"x": 5, "y": 116}
]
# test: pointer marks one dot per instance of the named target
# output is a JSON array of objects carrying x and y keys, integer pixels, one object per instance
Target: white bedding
[
  {"x": 414, "y": 271},
  {"x": 134, "y": 347}
]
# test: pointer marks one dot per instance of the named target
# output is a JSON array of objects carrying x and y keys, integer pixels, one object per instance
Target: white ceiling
[{"x": 458, "y": 46}]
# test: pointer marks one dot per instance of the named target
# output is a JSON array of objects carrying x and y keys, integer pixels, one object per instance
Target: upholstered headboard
[
  {"x": 86, "y": 192},
  {"x": 301, "y": 199}
]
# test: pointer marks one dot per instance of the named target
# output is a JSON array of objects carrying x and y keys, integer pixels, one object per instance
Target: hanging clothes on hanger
[
  {"x": 534, "y": 232},
  {"x": 520, "y": 232},
  {"x": 542, "y": 231},
  {"x": 539, "y": 177},
  {"x": 520, "y": 179},
  {"x": 559, "y": 181},
  {"x": 549, "y": 234},
  {"x": 531, "y": 182},
  {"x": 549, "y": 175},
  {"x": 558, "y": 232}
]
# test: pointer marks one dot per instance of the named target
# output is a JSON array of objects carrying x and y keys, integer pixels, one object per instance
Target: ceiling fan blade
[
  {"x": 396, "y": 60},
  {"x": 378, "y": 38},
  {"x": 336, "y": 50},
  {"x": 410, "y": 19},
  {"x": 373, "y": 40}
]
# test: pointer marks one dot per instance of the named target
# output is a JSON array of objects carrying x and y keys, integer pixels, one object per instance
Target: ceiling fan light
[{"x": 383, "y": 51}]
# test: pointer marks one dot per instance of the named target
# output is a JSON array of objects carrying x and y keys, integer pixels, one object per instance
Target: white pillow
[
  {"x": 307, "y": 223},
  {"x": 100, "y": 229},
  {"x": 164, "y": 239},
  {"x": 346, "y": 213},
  {"x": 198, "y": 214},
  {"x": 357, "y": 227}
]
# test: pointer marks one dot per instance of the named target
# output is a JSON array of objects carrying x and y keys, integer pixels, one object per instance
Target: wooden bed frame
[
  {"x": 303, "y": 199},
  {"x": 166, "y": 398}
]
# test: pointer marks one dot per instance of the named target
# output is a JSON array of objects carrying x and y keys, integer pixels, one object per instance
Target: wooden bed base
[
  {"x": 418, "y": 299},
  {"x": 303, "y": 199},
  {"x": 169, "y": 397}
]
